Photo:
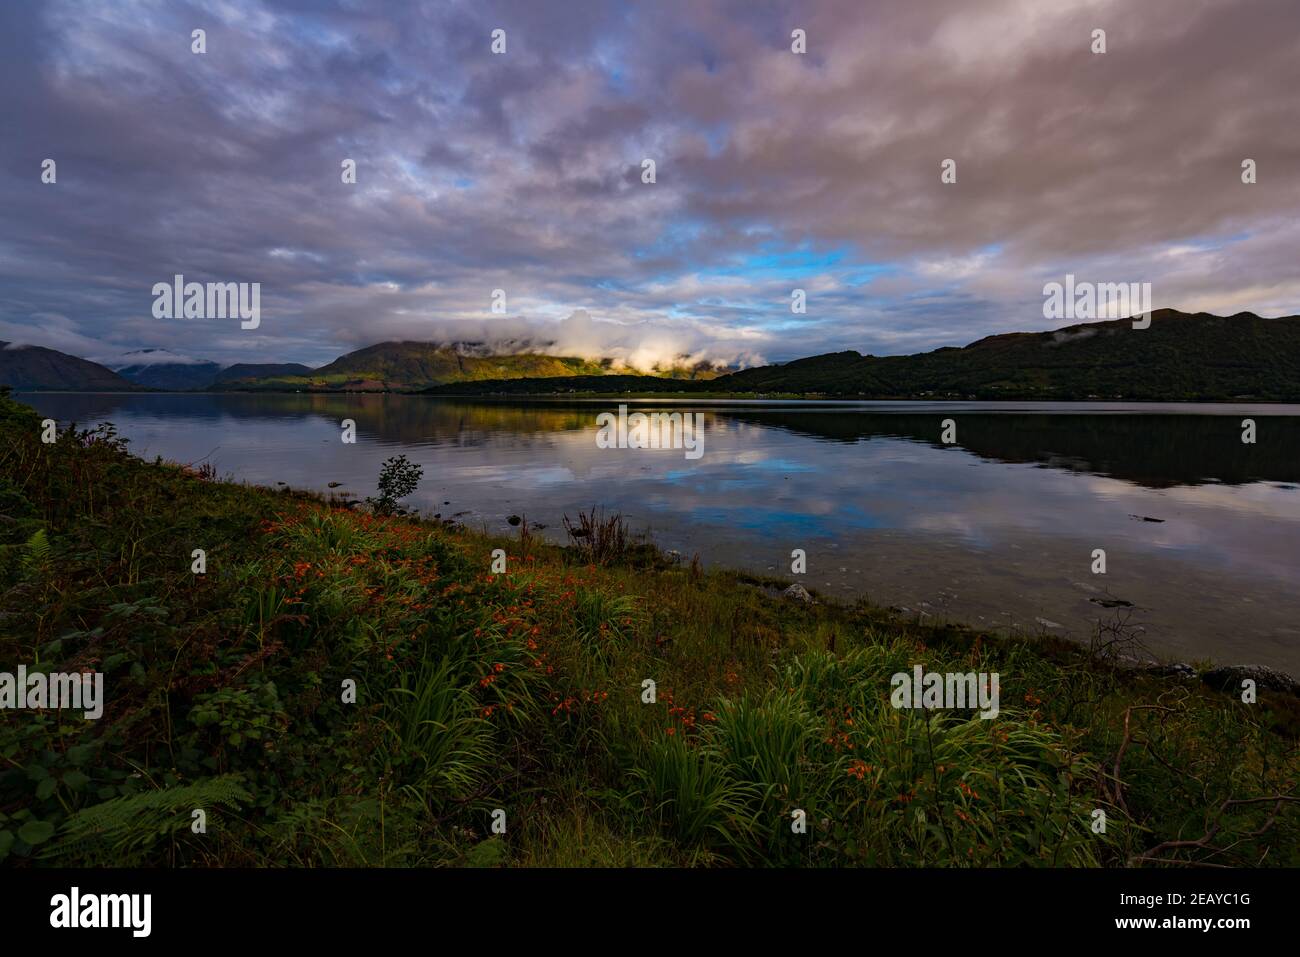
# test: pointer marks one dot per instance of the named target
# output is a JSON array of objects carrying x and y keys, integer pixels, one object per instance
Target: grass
[{"x": 342, "y": 688}]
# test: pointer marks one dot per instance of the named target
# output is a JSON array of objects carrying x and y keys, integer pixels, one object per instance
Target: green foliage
[
  {"x": 603, "y": 623},
  {"x": 127, "y": 831},
  {"x": 770, "y": 742},
  {"x": 435, "y": 741},
  {"x": 397, "y": 479},
  {"x": 240, "y": 715},
  {"x": 36, "y": 554},
  {"x": 690, "y": 794},
  {"x": 476, "y": 691},
  {"x": 416, "y": 365}
]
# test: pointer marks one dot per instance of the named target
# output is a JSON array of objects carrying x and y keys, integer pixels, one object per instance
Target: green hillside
[
  {"x": 399, "y": 366},
  {"x": 258, "y": 370},
  {"x": 611, "y": 384}
]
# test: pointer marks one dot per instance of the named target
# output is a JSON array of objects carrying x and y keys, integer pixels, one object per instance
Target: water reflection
[
  {"x": 1000, "y": 525},
  {"x": 1134, "y": 443}
]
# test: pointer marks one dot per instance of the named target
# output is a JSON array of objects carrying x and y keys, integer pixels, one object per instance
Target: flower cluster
[{"x": 859, "y": 769}]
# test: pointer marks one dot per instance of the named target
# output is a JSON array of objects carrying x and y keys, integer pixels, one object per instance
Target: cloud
[
  {"x": 522, "y": 171},
  {"x": 149, "y": 357},
  {"x": 48, "y": 330},
  {"x": 640, "y": 346}
]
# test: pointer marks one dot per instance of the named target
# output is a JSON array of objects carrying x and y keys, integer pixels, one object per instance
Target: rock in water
[{"x": 797, "y": 592}]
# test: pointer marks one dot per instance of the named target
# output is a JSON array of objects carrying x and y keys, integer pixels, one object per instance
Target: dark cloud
[{"x": 523, "y": 171}]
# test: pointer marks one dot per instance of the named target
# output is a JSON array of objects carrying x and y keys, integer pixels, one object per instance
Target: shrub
[{"x": 397, "y": 479}]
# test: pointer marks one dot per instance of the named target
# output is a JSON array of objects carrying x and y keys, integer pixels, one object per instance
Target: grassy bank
[{"x": 523, "y": 692}]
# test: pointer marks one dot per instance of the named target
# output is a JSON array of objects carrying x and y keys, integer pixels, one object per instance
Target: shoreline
[
  {"x": 1190, "y": 617},
  {"x": 323, "y": 663},
  {"x": 802, "y": 398}
]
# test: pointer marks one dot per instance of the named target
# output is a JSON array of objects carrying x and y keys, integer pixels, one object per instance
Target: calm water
[{"x": 997, "y": 529}]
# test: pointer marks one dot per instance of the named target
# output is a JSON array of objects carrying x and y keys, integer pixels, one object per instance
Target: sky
[{"x": 522, "y": 170}]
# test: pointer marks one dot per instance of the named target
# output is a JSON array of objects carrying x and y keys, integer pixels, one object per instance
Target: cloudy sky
[{"x": 522, "y": 171}]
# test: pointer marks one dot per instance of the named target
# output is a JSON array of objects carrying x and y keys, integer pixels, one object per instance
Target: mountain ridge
[
  {"x": 412, "y": 365},
  {"x": 36, "y": 368},
  {"x": 1179, "y": 357},
  {"x": 143, "y": 368}
]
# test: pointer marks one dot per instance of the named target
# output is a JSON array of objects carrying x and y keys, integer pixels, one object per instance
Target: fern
[
  {"x": 126, "y": 830},
  {"x": 37, "y": 551}
]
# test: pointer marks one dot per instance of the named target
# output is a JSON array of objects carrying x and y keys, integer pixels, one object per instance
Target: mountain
[
  {"x": 34, "y": 367},
  {"x": 37, "y": 368},
  {"x": 151, "y": 369},
  {"x": 1180, "y": 357},
  {"x": 417, "y": 365},
  {"x": 258, "y": 370}
]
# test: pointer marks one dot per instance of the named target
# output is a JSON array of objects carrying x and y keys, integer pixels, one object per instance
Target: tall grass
[
  {"x": 598, "y": 539},
  {"x": 435, "y": 742},
  {"x": 523, "y": 691}
]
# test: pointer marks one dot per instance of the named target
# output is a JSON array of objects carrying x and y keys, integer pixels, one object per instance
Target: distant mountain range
[
  {"x": 411, "y": 366},
  {"x": 1179, "y": 357},
  {"x": 150, "y": 369},
  {"x": 159, "y": 369},
  {"x": 405, "y": 366},
  {"x": 386, "y": 366}
]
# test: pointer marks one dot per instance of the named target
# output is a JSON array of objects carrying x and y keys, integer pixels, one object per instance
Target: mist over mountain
[
  {"x": 161, "y": 369},
  {"x": 1180, "y": 356},
  {"x": 410, "y": 366},
  {"x": 171, "y": 372},
  {"x": 34, "y": 368},
  {"x": 631, "y": 347},
  {"x": 385, "y": 366}
]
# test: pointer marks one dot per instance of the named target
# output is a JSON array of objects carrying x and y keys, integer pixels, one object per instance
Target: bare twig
[{"x": 1212, "y": 829}]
